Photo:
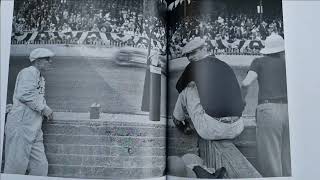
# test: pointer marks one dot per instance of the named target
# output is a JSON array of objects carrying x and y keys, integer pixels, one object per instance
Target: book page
[
  {"x": 227, "y": 90},
  {"x": 76, "y": 90}
]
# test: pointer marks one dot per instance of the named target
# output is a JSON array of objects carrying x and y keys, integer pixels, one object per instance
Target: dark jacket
[{"x": 218, "y": 87}]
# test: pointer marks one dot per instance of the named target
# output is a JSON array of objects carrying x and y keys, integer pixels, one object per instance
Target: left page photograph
[{"x": 86, "y": 90}]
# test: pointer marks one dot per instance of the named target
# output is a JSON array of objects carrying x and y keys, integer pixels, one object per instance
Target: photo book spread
[{"x": 135, "y": 89}]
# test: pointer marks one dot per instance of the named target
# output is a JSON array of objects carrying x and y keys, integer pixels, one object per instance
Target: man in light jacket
[{"x": 24, "y": 149}]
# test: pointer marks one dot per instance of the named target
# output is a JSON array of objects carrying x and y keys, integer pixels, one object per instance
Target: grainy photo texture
[
  {"x": 227, "y": 90},
  {"x": 77, "y": 101}
]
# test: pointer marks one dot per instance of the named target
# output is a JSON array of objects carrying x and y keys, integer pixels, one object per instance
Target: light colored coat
[
  {"x": 28, "y": 101},
  {"x": 24, "y": 149}
]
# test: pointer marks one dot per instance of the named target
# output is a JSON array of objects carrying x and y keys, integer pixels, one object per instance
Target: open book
[{"x": 132, "y": 89}]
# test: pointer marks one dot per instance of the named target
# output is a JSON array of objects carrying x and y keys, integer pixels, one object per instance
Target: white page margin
[
  {"x": 303, "y": 79},
  {"x": 6, "y": 28}
]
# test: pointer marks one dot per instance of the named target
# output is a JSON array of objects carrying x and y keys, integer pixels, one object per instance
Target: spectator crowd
[
  {"x": 234, "y": 32},
  {"x": 124, "y": 20},
  {"x": 124, "y": 17}
]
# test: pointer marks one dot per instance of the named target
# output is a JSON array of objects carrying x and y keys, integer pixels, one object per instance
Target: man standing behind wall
[
  {"x": 24, "y": 149},
  {"x": 273, "y": 142}
]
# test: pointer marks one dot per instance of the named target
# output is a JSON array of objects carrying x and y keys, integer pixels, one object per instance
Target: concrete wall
[
  {"x": 126, "y": 146},
  {"x": 115, "y": 146},
  {"x": 70, "y": 50},
  {"x": 65, "y": 50}
]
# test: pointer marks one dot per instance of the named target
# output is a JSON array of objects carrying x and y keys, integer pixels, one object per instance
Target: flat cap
[
  {"x": 196, "y": 43},
  {"x": 40, "y": 53}
]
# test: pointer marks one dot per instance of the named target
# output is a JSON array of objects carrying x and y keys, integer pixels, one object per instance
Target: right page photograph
[{"x": 227, "y": 90}]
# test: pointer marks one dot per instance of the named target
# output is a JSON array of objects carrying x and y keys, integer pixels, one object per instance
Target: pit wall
[
  {"x": 119, "y": 145},
  {"x": 65, "y": 50},
  {"x": 116, "y": 145}
]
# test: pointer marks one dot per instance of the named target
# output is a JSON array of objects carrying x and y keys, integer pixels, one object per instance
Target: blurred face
[
  {"x": 44, "y": 64},
  {"x": 195, "y": 55}
]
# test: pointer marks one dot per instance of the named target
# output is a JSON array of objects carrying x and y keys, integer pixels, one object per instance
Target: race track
[{"x": 75, "y": 83}]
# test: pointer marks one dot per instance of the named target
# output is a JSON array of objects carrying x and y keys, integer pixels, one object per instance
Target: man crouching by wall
[{"x": 24, "y": 149}]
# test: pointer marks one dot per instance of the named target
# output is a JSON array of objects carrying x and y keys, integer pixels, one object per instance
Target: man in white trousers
[
  {"x": 24, "y": 149},
  {"x": 273, "y": 140},
  {"x": 209, "y": 95}
]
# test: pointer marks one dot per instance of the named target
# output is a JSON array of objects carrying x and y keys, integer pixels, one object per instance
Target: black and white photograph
[
  {"x": 133, "y": 89},
  {"x": 227, "y": 90},
  {"x": 159, "y": 89},
  {"x": 86, "y": 95}
]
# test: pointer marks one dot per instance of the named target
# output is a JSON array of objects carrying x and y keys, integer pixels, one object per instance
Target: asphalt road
[{"x": 74, "y": 83}]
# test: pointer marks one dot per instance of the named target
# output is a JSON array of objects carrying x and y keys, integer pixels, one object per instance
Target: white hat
[
  {"x": 196, "y": 43},
  {"x": 40, "y": 53},
  {"x": 273, "y": 44}
]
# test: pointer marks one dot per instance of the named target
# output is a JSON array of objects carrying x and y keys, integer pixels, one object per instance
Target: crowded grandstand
[
  {"x": 232, "y": 35},
  {"x": 111, "y": 23},
  {"x": 229, "y": 27},
  {"x": 125, "y": 23}
]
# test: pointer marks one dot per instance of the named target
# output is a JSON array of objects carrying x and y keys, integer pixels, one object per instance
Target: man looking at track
[{"x": 24, "y": 149}]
